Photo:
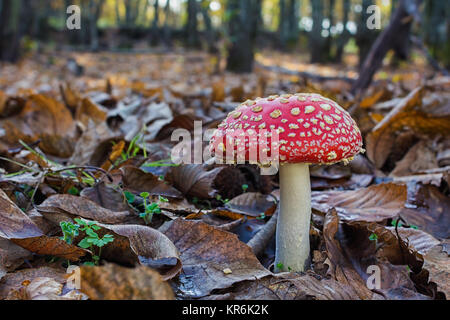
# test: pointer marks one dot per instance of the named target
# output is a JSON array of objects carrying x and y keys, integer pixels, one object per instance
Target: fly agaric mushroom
[{"x": 311, "y": 129}]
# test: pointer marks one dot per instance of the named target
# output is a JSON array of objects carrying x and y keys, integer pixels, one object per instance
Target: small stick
[
  {"x": 259, "y": 242},
  {"x": 232, "y": 224}
]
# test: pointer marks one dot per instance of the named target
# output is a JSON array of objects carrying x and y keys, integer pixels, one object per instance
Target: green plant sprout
[
  {"x": 373, "y": 237},
  {"x": 224, "y": 201},
  {"x": 245, "y": 187},
  {"x": 134, "y": 148},
  {"x": 73, "y": 191},
  {"x": 150, "y": 208},
  {"x": 70, "y": 231},
  {"x": 280, "y": 266},
  {"x": 261, "y": 216},
  {"x": 130, "y": 197},
  {"x": 397, "y": 223},
  {"x": 160, "y": 163},
  {"x": 92, "y": 239}
]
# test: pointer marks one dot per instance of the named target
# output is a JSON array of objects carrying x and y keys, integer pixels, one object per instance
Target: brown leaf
[
  {"x": 375, "y": 203},
  {"x": 252, "y": 204},
  {"x": 437, "y": 261},
  {"x": 407, "y": 114},
  {"x": 206, "y": 252},
  {"x": 150, "y": 247},
  {"x": 418, "y": 240},
  {"x": 196, "y": 181},
  {"x": 14, "y": 281},
  {"x": 94, "y": 144},
  {"x": 59, "y": 207},
  {"x": 106, "y": 195},
  {"x": 428, "y": 209},
  {"x": 351, "y": 252},
  {"x": 138, "y": 181},
  {"x": 419, "y": 158},
  {"x": 113, "y": 282},
  {"x": 421, "y": 205},
  {"x": 88, "y": 110},
  {"x": 11, "y": 256},
  {"x": 43, "y": 288},
  {"x": 340, "y": 267},
  {"x": 289, "y": 287},
  {"x": 16, "y": 226}
]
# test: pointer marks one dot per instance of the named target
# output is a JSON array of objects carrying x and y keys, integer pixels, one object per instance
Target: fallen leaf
[
  {"x": 196, "y": 181},
  {"x": 44, "y": 289},
  {"x": 251, "y": 204},
  {"x": 407, "y": 114},
  {"x": 205, "y": 252},
  {"x": 14, "y": 281},
  {"x": 289, "y": 287},
  {"x": 375, "y": 203},
  {"x": 137, "y": 181},
  {"x": 59, "y": 207},
  {"x": 113, "y": 282},
  {"x": 352, "y": 252},
  {"x": 140, "y": 244},
  {"x": 418, "y": 240},
  {"x": 106, "y": 195},
  {"x": 16, "y": 226},
  {"x": 437, "y": 261}
]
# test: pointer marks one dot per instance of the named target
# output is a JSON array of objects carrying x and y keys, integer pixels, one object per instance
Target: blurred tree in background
[{"x": 324, "y": 29}]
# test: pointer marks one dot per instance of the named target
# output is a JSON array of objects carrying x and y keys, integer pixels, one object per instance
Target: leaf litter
[{"x": 98, "y": 148}]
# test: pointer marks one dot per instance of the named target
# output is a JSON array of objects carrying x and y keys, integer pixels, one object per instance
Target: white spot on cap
[{"x": 309, "y": 109}]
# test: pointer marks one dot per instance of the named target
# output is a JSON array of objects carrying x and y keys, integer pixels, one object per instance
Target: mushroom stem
[{"x": 292, "y": 238}]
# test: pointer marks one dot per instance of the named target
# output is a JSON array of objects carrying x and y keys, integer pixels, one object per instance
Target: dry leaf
[
  {"x": 206, "y": 252},
  {"x": 112, "y": 282}
]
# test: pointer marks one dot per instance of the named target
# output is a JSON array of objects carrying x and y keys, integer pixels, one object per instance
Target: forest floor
[{"x": 86, "y": 181}]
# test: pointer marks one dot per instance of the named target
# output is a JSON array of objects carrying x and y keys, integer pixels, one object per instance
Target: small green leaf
[
  {"x": 373, "y": 237},
  {"x": 129, "y": 196},
  {"x": 84, "y": 243},
  {"x": 145, "y": 195},
  {"x": 162, "y": 199},
  {"x": 73, "y": 191}
]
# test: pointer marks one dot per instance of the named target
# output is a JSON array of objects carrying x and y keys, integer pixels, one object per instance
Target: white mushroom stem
[{"x": 292, "y": 237}]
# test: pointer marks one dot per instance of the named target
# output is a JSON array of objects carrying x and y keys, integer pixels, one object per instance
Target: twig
[
  {"x": 259, "y": 242},
  {"x": 232, "y": 224},
  {"x": 86, "y": 168}
]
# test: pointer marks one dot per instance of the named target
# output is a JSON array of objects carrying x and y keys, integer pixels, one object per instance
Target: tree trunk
[
  {"x": 166, "y": 32},
  {"x": 95, "y": 10},
  {"x": 398, "y": 30},
  {"x": 283, "y": 24},
  {"x": 365, "y": 37},
  {"x": 155, "y": 23},
  {"x": 192, "y": 24},
  {"x": 345, "y": 35},
  {"x": 5, "y": 15},
  {"x": 329, "y": 38},
  {"x": 208, "y": 27},
  {"x": 293, "y": 19},
  {"x": 316, "y": 41},
  {"x": 242, "y": 27},
  {"x": 14, "y": 19}
]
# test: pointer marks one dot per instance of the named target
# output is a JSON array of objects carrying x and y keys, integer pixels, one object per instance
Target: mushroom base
[{"x": 292, "y": 238}]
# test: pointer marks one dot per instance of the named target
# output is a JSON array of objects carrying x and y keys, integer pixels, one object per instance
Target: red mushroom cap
[{"x": 310, "y": 127}]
